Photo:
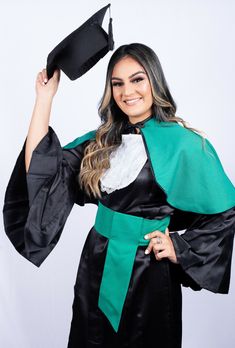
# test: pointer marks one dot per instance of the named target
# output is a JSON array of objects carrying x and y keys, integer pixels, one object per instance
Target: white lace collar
[{"x": 125, "y": 163}]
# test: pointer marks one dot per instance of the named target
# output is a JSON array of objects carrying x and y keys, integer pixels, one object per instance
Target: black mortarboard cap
[{"x": 83, "y": 48}]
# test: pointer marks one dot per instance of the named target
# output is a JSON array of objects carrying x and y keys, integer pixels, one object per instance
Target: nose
[{"x": 128, "y": 89}]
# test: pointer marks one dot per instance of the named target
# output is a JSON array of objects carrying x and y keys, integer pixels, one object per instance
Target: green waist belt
[{"x": 125, "y": 233}]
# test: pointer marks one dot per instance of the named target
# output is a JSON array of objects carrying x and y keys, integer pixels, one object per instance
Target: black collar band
[{"x": 131, "y": 127}]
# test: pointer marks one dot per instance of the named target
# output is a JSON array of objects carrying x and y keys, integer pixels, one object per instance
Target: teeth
[{"x": 132, "y": 101}]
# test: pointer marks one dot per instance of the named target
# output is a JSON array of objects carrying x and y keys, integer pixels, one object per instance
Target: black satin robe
[{"x": 36, "y": 207}]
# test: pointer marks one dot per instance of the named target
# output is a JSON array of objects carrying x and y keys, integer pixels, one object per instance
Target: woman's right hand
[{"x": 46, "y": 89}]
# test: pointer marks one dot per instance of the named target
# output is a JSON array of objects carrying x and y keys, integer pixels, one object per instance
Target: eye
[
  {"x": 138, "y": 79},
  {"x": 116, "y": 84}
]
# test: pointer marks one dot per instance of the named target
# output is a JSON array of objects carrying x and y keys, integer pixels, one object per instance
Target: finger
[
  {"x": 154, "y": 234},
  {"x": 161, "y": 254},
  {"x": 44, "y": 74},
  {"x": 56, "y": 74},
  {"x": 149, "y": 248},
  {"x": 167, "y": 232},
  {"x": 153, "y": 244},
  {"x": 158, "y": 247},
  {"x": 40, "y": 78}
]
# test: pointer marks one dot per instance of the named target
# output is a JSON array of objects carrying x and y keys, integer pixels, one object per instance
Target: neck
[{"x": 137, "y": 120}]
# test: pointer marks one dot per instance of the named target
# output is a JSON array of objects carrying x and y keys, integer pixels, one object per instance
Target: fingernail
[
  {"x": 146, "y": 236},
  {"x": 146, "y": 251},
  {"x": 45, "y": 80}
]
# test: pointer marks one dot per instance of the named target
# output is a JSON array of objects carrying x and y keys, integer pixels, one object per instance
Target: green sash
[{"x": 125, "y": 233}]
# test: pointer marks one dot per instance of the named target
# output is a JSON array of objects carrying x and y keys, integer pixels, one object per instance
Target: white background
[{"x": 194, "y": 41}]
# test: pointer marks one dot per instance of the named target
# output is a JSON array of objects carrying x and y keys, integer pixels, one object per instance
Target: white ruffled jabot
[{"x": 125, "y": 163}]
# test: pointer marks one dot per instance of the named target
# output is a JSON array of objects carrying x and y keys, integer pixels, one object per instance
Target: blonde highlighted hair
[{"x": 108, "y": 135}]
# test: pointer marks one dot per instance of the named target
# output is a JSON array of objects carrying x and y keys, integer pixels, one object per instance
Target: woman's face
[{"x": 131, "y": 89}]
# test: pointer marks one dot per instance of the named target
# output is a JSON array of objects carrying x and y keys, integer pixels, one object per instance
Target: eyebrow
[{"x": 138, "y": 72}]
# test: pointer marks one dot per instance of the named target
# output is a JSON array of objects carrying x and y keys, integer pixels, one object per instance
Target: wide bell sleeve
[
  {"x": 204, "y": 250},
  {"x": 38, "y": 202}
]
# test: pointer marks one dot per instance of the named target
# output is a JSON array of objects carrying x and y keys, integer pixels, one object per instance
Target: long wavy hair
[{"x": 108, "y": 135}]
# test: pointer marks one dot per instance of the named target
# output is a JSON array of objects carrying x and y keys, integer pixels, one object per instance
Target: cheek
[
  {"x": 116, "y": 95},
  {"x": 146, "y": 89}
]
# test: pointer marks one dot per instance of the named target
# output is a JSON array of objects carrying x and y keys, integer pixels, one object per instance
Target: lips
[{"x": 132, "y": 101}]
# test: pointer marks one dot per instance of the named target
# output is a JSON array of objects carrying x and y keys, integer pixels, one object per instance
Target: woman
[{"x": 128, "y": 288}]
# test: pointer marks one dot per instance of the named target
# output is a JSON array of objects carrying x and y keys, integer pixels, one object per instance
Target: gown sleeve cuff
[
  {"x": 181, "y": 249},
  {"x": 204, "y": 251},
  {"x": 46, "y": 155}
]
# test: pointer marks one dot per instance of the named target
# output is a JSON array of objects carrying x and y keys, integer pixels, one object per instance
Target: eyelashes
[{"x": 117, "y": 84}]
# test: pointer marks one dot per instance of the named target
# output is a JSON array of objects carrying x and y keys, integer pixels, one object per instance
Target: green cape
[{"x": 191, "y": 175}]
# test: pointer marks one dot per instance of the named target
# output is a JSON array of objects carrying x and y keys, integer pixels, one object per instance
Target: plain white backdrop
[{"x": 194, "y": 40}]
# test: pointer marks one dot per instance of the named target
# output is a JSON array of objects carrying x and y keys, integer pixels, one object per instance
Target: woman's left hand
[{"x": 163, "y": 249}]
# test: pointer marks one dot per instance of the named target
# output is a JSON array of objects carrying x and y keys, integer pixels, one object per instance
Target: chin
[{"x": 135, "y": 113}]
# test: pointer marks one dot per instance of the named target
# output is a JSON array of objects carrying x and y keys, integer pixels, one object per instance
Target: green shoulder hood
[{"x": 189, "y": 172}]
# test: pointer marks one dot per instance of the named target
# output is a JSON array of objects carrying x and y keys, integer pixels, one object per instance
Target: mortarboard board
[{"x": 83, "y": 48}]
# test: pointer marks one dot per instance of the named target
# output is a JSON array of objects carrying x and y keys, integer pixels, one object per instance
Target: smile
[{"x": 132, "y": 101}]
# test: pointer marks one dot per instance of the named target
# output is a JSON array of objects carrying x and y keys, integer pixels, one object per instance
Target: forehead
[{"x": 126, "y": 66}]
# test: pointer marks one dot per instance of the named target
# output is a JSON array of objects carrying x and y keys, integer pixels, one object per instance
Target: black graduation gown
[{"x": 36, "y": 207}]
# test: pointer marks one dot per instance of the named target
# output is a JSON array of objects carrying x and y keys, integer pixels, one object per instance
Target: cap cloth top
[{"x": 83, "y": 48}]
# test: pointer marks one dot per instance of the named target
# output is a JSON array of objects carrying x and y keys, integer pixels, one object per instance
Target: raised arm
[
  {"x": 38, "y": 202},
  {"x": 38, "y": 128}
]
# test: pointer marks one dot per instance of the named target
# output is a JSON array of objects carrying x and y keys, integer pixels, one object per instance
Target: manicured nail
[
  {"x": 45, "y": 80},
  {"x": 146, "y": 236},
  {"x": 146, "y": 251}
]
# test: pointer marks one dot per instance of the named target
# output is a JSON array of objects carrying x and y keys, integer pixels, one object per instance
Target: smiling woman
[
  {"x": 132, "y": 92},
  {"x": 138, "y": 168},
  {"x": 135, "y": 89}
]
